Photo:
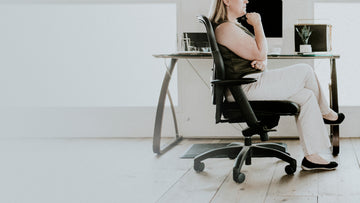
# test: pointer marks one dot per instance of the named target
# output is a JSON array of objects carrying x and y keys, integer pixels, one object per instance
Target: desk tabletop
[
  {"x": 303, "y": 56},
  {"x": 207, "y": 55},
  {"x": 179, "y": 55}
]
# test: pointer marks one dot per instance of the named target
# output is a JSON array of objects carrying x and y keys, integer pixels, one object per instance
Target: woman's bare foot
[
  {"x": 315, "y": 158},
  {"x": 332, "y": 116}
]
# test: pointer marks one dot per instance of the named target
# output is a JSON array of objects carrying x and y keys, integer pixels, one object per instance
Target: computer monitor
[
  {"x": 271, "y": 12},
  {"x": 198, "y": 41}
]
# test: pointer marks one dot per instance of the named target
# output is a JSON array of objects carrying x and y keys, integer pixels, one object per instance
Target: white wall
[
  {"x": 195, "y": 112},
  {"x": 73, "y": 69}
]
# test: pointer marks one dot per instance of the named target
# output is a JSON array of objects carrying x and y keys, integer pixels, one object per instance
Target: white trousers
[{"x": 297, "y": 83}]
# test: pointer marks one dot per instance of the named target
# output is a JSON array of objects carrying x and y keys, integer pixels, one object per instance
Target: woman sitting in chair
[{"x": 244, "y": 54}]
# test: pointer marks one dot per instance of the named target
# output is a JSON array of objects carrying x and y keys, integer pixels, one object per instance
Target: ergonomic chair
[{"x": 260, "y": 117}]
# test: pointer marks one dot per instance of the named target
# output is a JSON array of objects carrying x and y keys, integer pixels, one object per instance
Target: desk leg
[
  {"x": 334, "y": 129},
  {"x": 160, "y": 113}
]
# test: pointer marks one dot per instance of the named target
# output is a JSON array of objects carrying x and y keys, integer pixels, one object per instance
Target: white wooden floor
[{"x": 126, "y": 170}]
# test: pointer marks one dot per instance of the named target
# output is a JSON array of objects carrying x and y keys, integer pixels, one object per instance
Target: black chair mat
[{"x": 197, "y": 149}]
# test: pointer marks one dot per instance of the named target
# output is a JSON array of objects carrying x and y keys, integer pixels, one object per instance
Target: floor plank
[
  {"x": 199, "y": 187},
  {"x": 341, "y": 181},
  {"x": 258, "y": 176},
  {"x": 291, "y": 199},
  {"x": 301, "y": 183},
  {"x": 126, "y": 170},
  {"x": 339, "y": 199}
]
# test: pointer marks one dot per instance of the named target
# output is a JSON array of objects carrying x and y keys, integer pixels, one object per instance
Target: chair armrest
[{"x": 241, "y": 81}]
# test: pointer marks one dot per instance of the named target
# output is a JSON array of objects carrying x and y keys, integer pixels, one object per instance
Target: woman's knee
[
  {"x": 305, "y": 70},
  {"x": 304, "y": 67}
]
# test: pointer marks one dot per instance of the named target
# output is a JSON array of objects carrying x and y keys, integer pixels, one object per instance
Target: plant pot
[{"x": 305, "y": 48}]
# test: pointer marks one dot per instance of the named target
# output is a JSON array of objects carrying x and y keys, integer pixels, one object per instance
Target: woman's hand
[
  {"x": 260, "y": 65},
  {"x": 253, "y": 19}
]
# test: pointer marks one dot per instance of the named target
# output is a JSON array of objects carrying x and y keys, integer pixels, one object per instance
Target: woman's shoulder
[
  {"x": 228, "y": 30},
  {"x": 228, "y": 27},
  {"x": 225, "y": 25}
]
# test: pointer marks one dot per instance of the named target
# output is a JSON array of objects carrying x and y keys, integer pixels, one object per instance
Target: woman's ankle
[
  {"x": 331, "y": 116},
  {"x": 317, "y": 159}
]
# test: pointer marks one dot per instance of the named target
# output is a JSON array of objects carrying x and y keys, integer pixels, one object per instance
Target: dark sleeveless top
[{"x": 235, "y": 66}]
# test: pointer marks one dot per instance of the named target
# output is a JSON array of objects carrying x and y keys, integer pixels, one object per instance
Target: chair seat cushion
[{"x": 263, "y": 108}]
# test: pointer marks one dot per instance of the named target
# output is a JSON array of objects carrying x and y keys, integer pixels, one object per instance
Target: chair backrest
[
  {"x": 218, "y": 61},
  {"x": 245, "y": 110},
  {"x": 218, "y": 69}
]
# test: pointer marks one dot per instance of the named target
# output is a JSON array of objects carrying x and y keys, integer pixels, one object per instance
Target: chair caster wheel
[
  {"x": 239, "y": 177},
  {"x": 198, "y": 167},
  {"x": 290, "y": 169}
]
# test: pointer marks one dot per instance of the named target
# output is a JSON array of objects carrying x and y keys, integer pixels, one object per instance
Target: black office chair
[{"x": 260, "y": 117}]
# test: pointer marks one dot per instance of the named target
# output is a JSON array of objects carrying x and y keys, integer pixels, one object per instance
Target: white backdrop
[
  {"x": 66, "y": 81},
  {"x": 84, "y": 55}
]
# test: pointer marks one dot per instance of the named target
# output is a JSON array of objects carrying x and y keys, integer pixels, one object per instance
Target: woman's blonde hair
[{"x": 218, "y": 12}]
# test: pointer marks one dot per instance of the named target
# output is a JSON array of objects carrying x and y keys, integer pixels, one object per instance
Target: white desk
[{"x": 334, "y": 129}]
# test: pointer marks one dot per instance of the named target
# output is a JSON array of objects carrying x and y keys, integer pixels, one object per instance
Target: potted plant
[{"x": 305, "y": 34}]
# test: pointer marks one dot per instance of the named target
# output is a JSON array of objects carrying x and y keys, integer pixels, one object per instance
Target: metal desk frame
[{"x": 334, "y": 129}]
